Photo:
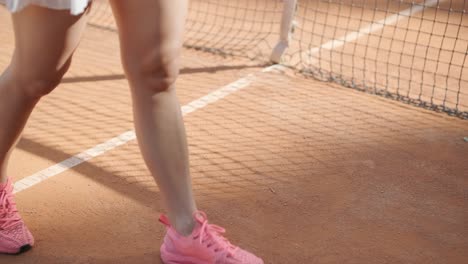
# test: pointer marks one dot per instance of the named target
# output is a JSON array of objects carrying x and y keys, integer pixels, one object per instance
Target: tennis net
[{"x": 411, "y": 51}]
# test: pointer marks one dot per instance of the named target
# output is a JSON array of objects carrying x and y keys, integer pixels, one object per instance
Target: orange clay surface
[{"x": 298, "y": 171}]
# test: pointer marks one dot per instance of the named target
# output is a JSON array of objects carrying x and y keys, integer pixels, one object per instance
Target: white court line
[
  {"x": 212, "y": 97},
  {"x": 123, "y": 138},
  {"x": 376, "y": 26}
]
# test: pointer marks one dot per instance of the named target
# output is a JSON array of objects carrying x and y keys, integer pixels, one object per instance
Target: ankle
[
  {"x": 3, "y": 182},
  {"x": 3, "y": 170},
  {"x": 184, "y": 225}
]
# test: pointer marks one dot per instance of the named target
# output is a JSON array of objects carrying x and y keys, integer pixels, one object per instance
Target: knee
[
  {"x": 155, "y": 70},
  {"x": 40, "y": 82}
]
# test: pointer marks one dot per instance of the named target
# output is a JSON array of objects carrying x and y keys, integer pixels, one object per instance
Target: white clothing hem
[{"x": 76, "y": 7}]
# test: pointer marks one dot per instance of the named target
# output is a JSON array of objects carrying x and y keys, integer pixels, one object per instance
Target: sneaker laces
[
  {"x": 8, "y": 213},
  {"x": 211, "y": 235}
]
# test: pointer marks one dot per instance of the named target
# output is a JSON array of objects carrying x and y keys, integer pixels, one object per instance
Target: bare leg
[
  {"x": 151, "y": 38},
  {"x": 42, "y": 55},
  {"x": 24, "y": 83},
  {"x": 45, "y": 40}
]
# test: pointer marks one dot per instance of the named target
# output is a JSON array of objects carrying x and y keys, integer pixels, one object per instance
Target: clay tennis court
[{"x": 298, "y": 170}]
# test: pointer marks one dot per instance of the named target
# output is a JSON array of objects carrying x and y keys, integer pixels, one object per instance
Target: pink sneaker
[
  {"x": 205, "y": 245},
  {"x": 15, "y": 237}
]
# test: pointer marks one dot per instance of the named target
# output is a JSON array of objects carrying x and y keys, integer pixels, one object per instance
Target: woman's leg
[
  {"x": 45, "y": 41},
  {"x": 151, "y": 39},
  {"x": 151, "y": 35}
]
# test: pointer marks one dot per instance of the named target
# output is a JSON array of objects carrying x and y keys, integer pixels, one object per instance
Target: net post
[{"x": 286, "y": 30}]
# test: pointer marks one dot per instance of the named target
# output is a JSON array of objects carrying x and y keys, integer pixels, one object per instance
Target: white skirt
[{"x": 76, "y": 7}]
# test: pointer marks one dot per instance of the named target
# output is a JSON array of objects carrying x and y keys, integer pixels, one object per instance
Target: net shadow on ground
[{"x": 353, "y": 166}]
